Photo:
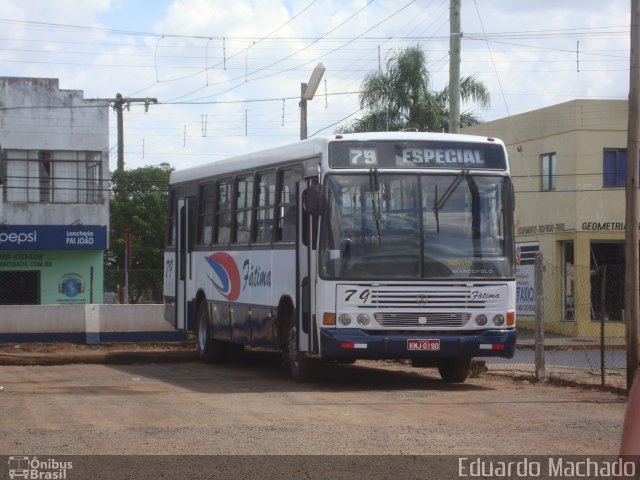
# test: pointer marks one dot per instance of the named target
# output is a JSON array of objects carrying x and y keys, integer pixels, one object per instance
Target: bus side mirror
[{"x": 313, "y": 199}]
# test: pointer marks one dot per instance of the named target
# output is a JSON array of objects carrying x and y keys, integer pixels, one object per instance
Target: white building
[{"x": 54, "y": 206}]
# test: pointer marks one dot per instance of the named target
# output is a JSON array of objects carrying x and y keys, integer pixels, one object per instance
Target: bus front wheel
[
  {"x": 209, "y": 350},
  {"x": 454, "y": 370}
]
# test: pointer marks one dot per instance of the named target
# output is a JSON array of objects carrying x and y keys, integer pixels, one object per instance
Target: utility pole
[
  {"x": 632, "y": 270},
  {"x": 539, "y": 325},
  {"x": 454, "y": 66},
  {"x": 127, "y": 262},
  {"x": 118, "y": 105}
]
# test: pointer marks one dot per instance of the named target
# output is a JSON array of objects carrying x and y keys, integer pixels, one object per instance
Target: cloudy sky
[{"x": 227, "y": 74}]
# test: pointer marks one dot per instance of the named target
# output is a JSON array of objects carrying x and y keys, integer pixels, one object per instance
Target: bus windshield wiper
[
  {"x": 439, "y": 203},
  {"x": 374, "y": 184}
]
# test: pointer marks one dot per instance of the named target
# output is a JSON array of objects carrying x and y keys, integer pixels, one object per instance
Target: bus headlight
[
  {"x": 498, "y": 320},
  {"x": 363, "y": 319},
  {"x": 481, "y": 320},
  {"x": 344, "y": 319}
]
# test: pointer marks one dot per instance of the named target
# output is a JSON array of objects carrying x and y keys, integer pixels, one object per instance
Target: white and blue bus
[{"x": 356, "y": 246}]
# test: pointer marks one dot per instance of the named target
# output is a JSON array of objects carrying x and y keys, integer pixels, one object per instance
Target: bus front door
[{"x": 307, "y": 230}]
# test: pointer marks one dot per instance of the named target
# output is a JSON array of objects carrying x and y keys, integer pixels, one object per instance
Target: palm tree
[{"x": 401, "y": 98}]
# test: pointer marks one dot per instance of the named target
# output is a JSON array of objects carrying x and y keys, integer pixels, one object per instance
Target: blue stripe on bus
[{"x": 390, "y": 346}]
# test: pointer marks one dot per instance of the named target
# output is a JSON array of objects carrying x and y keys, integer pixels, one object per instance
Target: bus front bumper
[{"x": 343, "y": 343}]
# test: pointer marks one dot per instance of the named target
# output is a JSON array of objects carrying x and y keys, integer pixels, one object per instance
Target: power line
[
  {"x": 548, "y": 33},
  {"x": 414, "y": 28},
  {"x": 254, "y": 42},
  {"x": 285, "y": 58}
]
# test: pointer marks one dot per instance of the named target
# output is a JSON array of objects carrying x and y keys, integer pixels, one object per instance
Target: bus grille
[
  {"x": 412, "y": 319},
  {"x": 432, "y": 298}
]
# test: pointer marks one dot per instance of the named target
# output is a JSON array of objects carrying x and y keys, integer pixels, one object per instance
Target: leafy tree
[
  {"x": 401, "y": 97},
  {"x": 138, "y": 201}
]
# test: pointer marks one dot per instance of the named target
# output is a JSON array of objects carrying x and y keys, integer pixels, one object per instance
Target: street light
[{"x": 307, "y": 91}]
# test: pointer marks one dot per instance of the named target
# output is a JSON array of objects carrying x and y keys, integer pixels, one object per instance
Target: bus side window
[
  {"x": 171, "y": 224},
  {"x": 287, "y": 205},
  {"x": 244, "y": 203},
  {"x": 265, "y": 206},
  {"x": 206, "y": 199},
  {"x": 222, "y": 230}
]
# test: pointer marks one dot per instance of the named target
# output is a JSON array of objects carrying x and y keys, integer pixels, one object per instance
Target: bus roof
[{"x": 305, "y": 149}]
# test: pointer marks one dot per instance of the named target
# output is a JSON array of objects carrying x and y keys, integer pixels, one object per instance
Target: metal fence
[
  {"x": 145, "y": 286},
  {"x": 581, "y": 331}
]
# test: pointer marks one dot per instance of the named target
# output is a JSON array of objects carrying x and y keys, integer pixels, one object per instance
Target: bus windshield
[{"x": 409, "y": 226}]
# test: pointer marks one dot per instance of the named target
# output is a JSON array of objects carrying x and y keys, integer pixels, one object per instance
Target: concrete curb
[
  {"x": 115, "y": 358},
  {"x": 113, "y": 353},
  {"x": 570, "y": 347}
]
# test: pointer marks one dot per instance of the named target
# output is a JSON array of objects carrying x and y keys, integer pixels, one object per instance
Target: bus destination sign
[
  {"x": 417, "y": 154},
  {"x": 445, "y": 156}
]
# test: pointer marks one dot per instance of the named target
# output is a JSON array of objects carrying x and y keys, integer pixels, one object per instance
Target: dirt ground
[
  {"x": 62, "y": 353},
  {"x": 138, "y": 405}
]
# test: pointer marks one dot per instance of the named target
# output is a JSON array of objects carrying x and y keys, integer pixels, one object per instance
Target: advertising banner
[
  {"x": 526, "y": 277},
  {"x": 53, "y": 237},
  {"x": 65, "y": 277}
]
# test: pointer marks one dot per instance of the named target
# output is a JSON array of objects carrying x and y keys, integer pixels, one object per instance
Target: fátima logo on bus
[{"x": 226, "y": 276}]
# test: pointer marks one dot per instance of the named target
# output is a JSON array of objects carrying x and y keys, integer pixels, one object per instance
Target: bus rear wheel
[
  {"x": 299, "y": 365},
  {"x": 454, "y": 370},
  {"x": 209, "y": 350}
]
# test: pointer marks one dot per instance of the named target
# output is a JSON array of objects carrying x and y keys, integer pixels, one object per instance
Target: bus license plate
[{"x": 429, "y": 345}]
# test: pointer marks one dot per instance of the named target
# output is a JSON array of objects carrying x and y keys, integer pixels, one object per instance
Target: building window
[
  {"x": 20, "y": 288},
  {"x": 614, "y": 167},
  {"x": 42, "y": 176},
  {"x": 568, "y": 280},
  {"x": 548, "y": 161},
  {"x": 607, "y": 273}
]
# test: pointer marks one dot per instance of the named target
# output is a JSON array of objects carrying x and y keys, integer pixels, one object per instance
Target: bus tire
[
  {"x": 299, "y": 364},
  {"x": 454, "y": 370},
  {"x": 209, "y": 350}
]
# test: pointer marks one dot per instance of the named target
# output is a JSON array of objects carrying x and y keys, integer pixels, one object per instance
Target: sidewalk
[{"x": 553, "y": 341}]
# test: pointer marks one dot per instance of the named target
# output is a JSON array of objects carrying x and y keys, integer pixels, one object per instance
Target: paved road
[{"x": 580, "y": 358}]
